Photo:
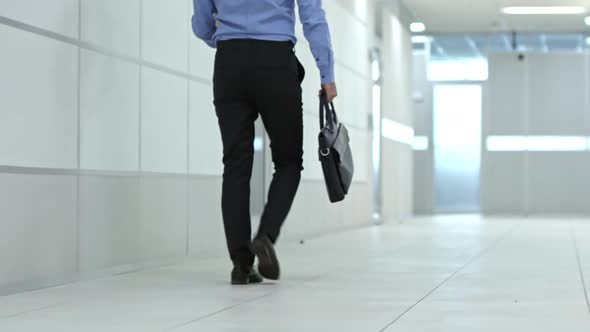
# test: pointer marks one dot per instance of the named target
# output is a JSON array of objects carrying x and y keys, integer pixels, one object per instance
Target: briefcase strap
[{"x": 327, "y": 112}]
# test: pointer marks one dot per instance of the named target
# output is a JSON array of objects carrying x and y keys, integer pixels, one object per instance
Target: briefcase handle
[{"x": 330, "y": 115}]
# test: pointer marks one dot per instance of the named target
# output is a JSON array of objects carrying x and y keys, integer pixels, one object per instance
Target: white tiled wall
[
  {"x": 205, "y": 231},
  {"x": 59, "y": 16},
  {"x": 112, "y": 24},
  {"x": 108, "y": 222},
  {"x": 202, "y": 58},
  {"x": 109, "y": 113},
  {"x": 205, "y": 149},
  {"x": 397, "y": 106},
  {"x": 113, "y": 98},
  {"x": 162, "y": 230},
  {"x": 129, "y": 94},
  {"x": 39, "y": 235},
  {"x": 545, "y": 94},
  {"x": 344, "y": 27},
  {"x": 165, "y": 37},
  {"x": 163, "y": 122},
  {"x": 38, "y": 101}
]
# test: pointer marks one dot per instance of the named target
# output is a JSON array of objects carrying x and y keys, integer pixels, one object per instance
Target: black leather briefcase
[{"x": 334, "y": 152}]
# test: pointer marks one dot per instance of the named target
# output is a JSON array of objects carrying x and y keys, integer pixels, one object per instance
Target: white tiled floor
[{"x": 442, "y": 274}]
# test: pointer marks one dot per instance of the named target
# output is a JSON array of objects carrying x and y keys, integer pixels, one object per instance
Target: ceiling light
[
  {"x": 588, "y": 41},
  {"x": 544, "y": 10},
  {"x": 587, "y": 20},
  {"x": 420, "y": 39},
  {"x": 417, "y": 27}
]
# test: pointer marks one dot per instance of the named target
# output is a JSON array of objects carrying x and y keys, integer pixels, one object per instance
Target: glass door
[{"x": 457, "y": 147}]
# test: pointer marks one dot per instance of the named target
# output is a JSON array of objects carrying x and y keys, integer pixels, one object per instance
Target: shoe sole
[
  {"x": 240, "y": 283},
  {"x": 244, "y": 283},
  {"x": 268, "y": 263}
]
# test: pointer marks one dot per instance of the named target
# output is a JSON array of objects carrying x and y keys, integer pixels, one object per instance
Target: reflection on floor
[{"x": 432, "y": 274}]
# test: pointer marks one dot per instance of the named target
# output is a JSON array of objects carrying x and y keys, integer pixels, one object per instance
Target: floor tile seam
[
  {"x": 129, "y": 274},
  {"x": 480, "y": 254},
  {"x": 290, "y": 287},
  {"x": 217, "y": 312},
  {"x": 323, "y": 275},
  {"x": 26, "y": 312},
  {"x": 579, "y": 261}
]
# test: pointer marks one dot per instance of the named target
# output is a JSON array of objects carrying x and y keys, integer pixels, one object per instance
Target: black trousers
[{"x": 257, "y": 78}]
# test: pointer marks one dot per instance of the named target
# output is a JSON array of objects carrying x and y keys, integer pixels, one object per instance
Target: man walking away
[{"x": 257, "y": 74}]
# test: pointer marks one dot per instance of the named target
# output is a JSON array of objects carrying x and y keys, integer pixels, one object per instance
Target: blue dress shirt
[{"x": 216, "y": 20}]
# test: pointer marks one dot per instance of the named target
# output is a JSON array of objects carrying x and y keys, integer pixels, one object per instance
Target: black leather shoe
[
  {"x": 255, "y": 277},
  {"x": 268, "y": 263},
  {"x": 245, "y": 276}
]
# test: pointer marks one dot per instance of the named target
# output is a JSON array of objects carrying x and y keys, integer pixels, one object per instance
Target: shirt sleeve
[
  {"x": 204, "y": 20},
  {"x": 317, "y": 33}
]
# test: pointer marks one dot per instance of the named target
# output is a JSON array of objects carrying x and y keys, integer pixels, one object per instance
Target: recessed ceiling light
[
  {"x": 587, "y": 20},
  {"x": 417, "y": 27},
  {"x": 544, "y": 10}
]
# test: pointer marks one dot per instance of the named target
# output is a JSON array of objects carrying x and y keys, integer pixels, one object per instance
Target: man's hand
[{"x": 330, "y": 91}]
